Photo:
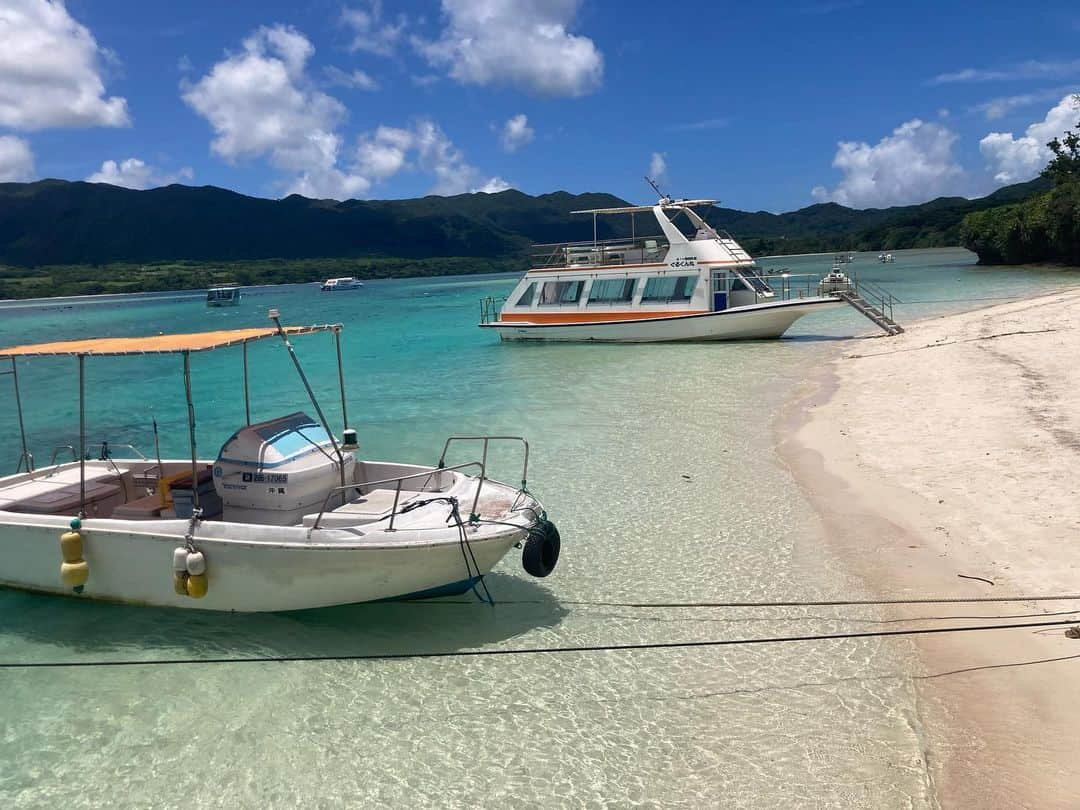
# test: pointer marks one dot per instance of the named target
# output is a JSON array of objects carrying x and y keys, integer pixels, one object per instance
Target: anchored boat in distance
[
  {"x": 223, "y": 295},
  {"x": 672, "y": 287},
  {"x": 340, "y": 284}
]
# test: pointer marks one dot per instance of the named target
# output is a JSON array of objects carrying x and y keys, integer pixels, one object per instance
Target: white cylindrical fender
[
  {"x": 196, "y": 563},
  {"x": 179, "y": 559}
]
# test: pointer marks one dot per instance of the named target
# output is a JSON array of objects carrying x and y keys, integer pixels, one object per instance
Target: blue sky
[{"x": 765, "y": 106}]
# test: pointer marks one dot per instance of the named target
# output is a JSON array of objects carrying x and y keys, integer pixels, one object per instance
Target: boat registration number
[{"x": 265, "y": 478}]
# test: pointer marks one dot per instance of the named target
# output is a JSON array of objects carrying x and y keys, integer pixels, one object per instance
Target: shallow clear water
[{"x": 655, "y": 461}]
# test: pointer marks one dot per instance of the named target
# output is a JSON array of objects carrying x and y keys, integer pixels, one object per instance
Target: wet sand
[{"x": 951, "y": 450}]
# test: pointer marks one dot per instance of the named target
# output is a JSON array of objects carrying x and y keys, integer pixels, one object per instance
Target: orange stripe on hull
[{"x": 592, "y": 317}]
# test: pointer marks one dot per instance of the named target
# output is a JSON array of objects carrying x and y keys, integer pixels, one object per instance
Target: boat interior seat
[
  {"x": 51, "y": 497},
  {"x": 148, "y": 507},
  {"x": 367, "y": 508}
]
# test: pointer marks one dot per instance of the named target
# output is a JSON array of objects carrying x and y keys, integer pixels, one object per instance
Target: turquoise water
[{"x": 656, "y": 462}]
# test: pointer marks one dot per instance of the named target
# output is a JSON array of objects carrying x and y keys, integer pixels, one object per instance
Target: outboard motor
[{"x": 275, "y": 472}]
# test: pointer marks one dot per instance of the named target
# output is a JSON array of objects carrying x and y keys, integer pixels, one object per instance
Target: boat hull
[
  {"x": 250, "y": 568},
  {"x": 758, "y": 322}
]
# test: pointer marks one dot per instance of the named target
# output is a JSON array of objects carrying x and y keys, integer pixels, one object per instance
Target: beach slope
[{"x": 951, "y": 452}]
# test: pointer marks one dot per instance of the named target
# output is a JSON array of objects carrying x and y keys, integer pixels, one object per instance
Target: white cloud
[
  {"x": 370, "y": 32},
  {"x": 1032, "y": 69},
  {"x": 658, "y": 168},
  {"x": 261, "y": 103},
  {"x": 16, "y": 160},
  {"x": 134, "y": 173},
  {"x": 426, "y": 148},
  {"x": 516, "y": 132},
  {"x": 523, "y": 43},
  {"x": 493, "y": 186},
  {"x": 358, "y": 79},
  {"x": 50, "y": 70},
  {"x": 696, "y": 126},
  {"x": 1014, "y": 160},
  {"x": 913, "y": 164},
  {"x": 1003, "y": 105}
]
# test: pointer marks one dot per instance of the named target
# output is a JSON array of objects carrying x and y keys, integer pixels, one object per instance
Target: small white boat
[
  {"x": 339, "y": 284},
  {"x": 672, "y": 287},
  {"x": 223, "y": 295},
  {"x": 286, "y": 517},
  {"x": 837, "y": 281},
  {"x": 886, "y": 258}
]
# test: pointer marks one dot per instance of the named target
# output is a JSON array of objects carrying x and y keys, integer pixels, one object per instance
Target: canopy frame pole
[
  {"x": 247, "y": 398},
  {"x": 26, "y": 455},
  {"x": 191, "y": 434},
  {"x": 82, "y": 436},
  {"x": 311, "y": 396},
  {"x": 341, "y": 379}
]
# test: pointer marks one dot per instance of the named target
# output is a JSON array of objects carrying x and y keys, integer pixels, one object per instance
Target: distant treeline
[
  {"x": 64, "y": 238},
  {"x": 48, "y": 281}
]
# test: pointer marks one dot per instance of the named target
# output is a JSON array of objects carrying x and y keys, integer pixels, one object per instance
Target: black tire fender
[{"x": 542, "y": 547}]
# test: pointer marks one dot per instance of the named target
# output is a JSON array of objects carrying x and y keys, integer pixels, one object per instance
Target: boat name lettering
[{"x": 686, "y": 261}]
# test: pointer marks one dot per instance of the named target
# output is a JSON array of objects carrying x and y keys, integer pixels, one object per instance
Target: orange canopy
[{"x": 158, "y": 344}]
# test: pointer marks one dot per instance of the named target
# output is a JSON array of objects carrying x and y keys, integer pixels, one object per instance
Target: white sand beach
[{"x": 954, "y": 449}]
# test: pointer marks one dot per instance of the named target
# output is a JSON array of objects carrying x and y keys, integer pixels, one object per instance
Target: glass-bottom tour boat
[{"x": 669, "y": 287}]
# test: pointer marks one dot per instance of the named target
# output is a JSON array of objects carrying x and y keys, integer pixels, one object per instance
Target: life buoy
[{"x": 541, "y": 553}]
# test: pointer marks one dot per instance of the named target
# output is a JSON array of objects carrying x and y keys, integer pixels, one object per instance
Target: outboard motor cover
[{"x": 275, "y": 472}]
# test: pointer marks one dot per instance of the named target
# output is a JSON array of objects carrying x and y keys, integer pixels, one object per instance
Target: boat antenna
[
  {"x": 664, "y": 198},
  {"x": 275, "y": 316}
]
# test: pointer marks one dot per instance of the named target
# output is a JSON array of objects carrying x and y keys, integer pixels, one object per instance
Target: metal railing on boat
[
  {"x": 369, "y": 485},
  {"x": 487, "y": 441},
  {"x": 437, "y": 470}
]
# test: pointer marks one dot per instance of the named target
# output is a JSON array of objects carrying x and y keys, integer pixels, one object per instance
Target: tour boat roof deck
[
  {"x": 158, "y": 344},
  {"x": 634, "y": 209}
]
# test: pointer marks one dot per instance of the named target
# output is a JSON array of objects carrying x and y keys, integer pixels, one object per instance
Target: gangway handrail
[{"x": 397, "y": 491}]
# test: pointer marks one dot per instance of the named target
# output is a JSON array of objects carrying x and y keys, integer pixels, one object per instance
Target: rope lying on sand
[{"x": 659, "y": 645}]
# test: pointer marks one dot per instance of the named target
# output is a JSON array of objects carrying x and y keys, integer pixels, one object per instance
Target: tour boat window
[
  {"x": 561, "y": 292},
  {"x": 611, "y": 290},
  {"x": 527, "y": 296},
  {"x": 669, "y": 288}
]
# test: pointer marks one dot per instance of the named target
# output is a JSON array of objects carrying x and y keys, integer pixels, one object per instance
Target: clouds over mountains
[{"x": 917, "y": 162}]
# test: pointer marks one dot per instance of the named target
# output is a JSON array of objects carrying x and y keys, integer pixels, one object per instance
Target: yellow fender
[{"x": 74, "y": 570}]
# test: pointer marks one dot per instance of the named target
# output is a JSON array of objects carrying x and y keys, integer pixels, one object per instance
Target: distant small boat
[
  {"x": 886, "y": 258},
  {"x": 336, "y": 284},
  {"x": 223, "y": 295}
]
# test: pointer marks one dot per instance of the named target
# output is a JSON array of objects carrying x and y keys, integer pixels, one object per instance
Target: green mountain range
[{"x": 53, "y": 233}]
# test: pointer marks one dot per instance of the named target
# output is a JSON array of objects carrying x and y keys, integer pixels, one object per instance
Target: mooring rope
[{"x": 592, "y": 648}]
